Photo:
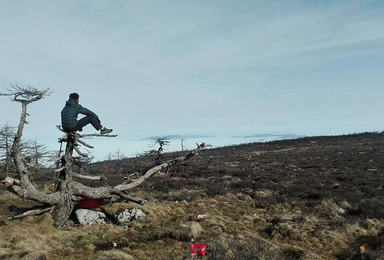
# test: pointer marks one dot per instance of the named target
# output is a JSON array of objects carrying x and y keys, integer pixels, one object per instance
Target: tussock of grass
[{"x": 112, "y": 254}]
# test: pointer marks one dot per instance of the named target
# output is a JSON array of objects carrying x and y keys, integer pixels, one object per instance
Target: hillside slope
[{"x": 309, "y": 198}]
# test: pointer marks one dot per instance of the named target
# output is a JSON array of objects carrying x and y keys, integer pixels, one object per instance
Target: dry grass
[
  {"x": 283, "y": 200},
  {"x": 280, "y": 231}
]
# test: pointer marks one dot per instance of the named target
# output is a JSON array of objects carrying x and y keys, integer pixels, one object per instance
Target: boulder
[
  {"x": 128, "y": 215},
  {"x": 89, "y": 217}
]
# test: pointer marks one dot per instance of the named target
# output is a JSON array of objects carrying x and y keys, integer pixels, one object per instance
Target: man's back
[{"x": 69, "y": 114}]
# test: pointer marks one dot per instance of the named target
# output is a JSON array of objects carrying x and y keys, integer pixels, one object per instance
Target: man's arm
[{"x": 87, "y": 112}]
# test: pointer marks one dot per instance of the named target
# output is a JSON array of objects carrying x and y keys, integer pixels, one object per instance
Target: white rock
[
  {"x": 341, "y": 210},
  {"x": 201, "y": 217},
  {"x": 89, "y": 217},
  {"x": 129, "y": 214}
]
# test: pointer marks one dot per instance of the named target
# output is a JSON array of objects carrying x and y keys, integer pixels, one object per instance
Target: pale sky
[{"x": 197, "y": 67}]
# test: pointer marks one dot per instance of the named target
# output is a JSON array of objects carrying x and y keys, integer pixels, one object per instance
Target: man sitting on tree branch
[{"x": 69, "y": 116}]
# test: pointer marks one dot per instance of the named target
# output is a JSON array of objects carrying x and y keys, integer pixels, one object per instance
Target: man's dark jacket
[{"x": 70, "y": 112}]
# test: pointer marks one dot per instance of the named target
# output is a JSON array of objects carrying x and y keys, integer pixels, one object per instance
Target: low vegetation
[{"x": 309, "y": 198}]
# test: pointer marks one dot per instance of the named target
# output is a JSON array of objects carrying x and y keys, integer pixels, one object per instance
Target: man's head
[{"x": 74, "y": 96}]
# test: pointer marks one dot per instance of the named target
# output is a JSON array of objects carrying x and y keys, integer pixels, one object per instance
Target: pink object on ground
[{"x": 198, "y": 249}]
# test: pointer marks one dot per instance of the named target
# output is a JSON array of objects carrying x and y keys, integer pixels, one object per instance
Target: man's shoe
[{"x": 105, "y": 131}]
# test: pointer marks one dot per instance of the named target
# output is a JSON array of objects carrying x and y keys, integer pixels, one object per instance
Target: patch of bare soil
[{"x": 310, "y": 198}]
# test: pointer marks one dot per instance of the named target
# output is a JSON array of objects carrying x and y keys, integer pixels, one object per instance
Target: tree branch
[
  {"x": 26, "y": 94},
  {"x": 10, "y": 181},
  {"x": 92, "y": 193},
  {"x": 32, "y": 213},
  {"x": 85, "y": 144},
  {"x": 89, "y": 135},
  {"x": 92, "y": 178},
  {"x": 130, "y": 198},
  {"x": 26, "y": 190},
  {"x": 157, "y": 169},
  {"x": 79, "y": 152}
]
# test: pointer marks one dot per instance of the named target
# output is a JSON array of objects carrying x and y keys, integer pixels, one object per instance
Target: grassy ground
[{"x": 311, "y": 198}]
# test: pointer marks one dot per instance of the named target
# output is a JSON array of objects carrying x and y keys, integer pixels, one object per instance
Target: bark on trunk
[{"x": 63, "y": 209}]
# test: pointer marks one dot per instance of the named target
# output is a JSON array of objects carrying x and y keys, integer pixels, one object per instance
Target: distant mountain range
[
  {"x": 274, "y": 136},
  {"x": 256, "y": 136},
  {"x": 175, "y": 137}
]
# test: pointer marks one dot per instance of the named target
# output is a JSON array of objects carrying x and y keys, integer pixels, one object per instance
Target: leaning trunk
[{"x": 63, "y": 209}]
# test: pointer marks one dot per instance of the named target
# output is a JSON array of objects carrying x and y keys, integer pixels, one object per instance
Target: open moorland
[{"x": 308, "y": 198}]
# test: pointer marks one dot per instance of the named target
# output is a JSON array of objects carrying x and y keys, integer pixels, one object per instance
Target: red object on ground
[
  {"x": 198, "y": 249},
  {"x": 85, "y": 203}
]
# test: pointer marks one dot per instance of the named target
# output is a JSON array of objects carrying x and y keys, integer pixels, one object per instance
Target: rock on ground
[
  {"x": 129, "y": 214},
  {"x": 89, "y": 217}
]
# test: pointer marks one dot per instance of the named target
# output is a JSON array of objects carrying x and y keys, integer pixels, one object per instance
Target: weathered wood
[
  {"x": 85, "y": 144},
  {"x": 80, "y": 153},
  {"x": 157, "y": 169},
  {"x": 63, "y": 208},
  {"x": 9, "y": 181},
  {"x": 87, "y": 177},
  {"x": 60, "y": 169},
  {"x": 96, "y": 135},
  {"x": 130, "y": 198},
  {"x": 82, "y": 190},
  {"x": 32, "y": 213}
]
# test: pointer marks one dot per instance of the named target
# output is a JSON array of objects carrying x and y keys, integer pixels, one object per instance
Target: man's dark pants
[{"x": 85, "y": 121}]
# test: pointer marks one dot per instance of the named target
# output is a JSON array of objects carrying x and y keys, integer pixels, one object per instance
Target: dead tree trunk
[{"x": 68, "y": 191}]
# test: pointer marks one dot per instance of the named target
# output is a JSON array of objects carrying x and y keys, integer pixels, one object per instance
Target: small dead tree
[
  {"x": 7, "y": 132},
  {"x": 37, "y": 154},
  {"x": 161, "y": 142},
  {"x": 61, "y": 202}
]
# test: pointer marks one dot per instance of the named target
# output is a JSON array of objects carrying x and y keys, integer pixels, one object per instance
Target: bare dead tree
[
  {"x": 119, "y": 154},
  {"x": 38, "y": 154},
  {"x": 61, "y": 202},
  {"x": 162, "y": 142},
  {"x": 32, "y": 152},
  {"x": 7, "y": 133}
]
